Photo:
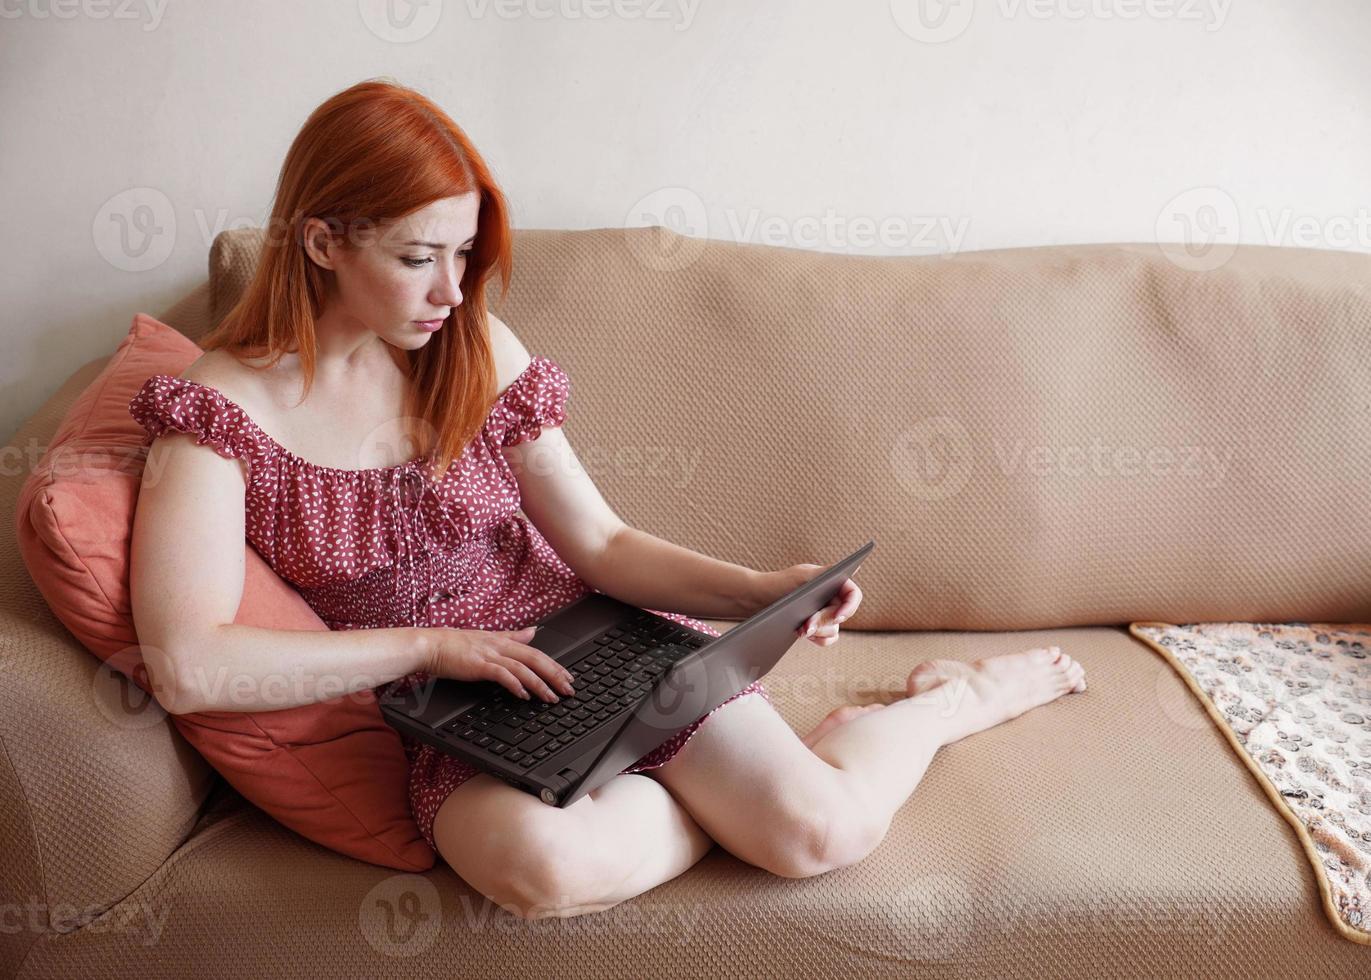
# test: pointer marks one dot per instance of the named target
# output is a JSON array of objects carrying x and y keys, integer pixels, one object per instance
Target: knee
[
  {"x": 823, "y": 838},
  {"x": 550, "y": 877}
]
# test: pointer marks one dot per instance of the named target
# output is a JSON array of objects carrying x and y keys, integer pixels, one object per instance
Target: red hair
[{"x": 367, "y": 156}]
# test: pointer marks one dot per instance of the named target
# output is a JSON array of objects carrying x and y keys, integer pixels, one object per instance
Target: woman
[{"x": 417, "y": 425}]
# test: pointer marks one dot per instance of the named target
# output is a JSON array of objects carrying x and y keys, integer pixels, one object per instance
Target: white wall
[{"x": 861, "y": 126}]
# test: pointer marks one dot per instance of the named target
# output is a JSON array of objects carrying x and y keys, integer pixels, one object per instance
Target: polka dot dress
[{"x": 387, "y": 547}]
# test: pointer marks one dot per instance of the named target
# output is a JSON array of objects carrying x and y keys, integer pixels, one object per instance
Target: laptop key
[
  {"x": 484, "y": 740},
  {"x": 499, "y": 748},
  {"x": 535, "y": 742}
]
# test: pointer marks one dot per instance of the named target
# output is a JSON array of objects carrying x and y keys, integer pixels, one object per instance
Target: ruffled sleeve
[
  {"x": 166, "y": 402},
  {"x": 534, "y": 400}
]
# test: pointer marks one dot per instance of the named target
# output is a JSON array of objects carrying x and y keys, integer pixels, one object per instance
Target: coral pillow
[{"x": 332, "y": 771}]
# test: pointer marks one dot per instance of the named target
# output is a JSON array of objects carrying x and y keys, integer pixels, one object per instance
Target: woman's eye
[{"x": 419, "y": 263}]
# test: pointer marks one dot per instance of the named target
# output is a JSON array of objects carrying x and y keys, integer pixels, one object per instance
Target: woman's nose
[{"x": 448, "y": 292}]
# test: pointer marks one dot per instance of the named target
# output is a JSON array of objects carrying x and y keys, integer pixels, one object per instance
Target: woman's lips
[{"x": 429, "y": 325}]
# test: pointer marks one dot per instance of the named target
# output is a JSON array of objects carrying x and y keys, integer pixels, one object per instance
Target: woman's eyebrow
[{"x": 437, "y": 244}]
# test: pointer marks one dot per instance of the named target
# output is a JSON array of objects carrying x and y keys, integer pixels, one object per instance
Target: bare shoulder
[
  {"x": 511, "y": 357},
  {"x": 236, "y": 380}
]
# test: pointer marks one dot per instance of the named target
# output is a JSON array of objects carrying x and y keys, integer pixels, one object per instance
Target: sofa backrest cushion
[{"x": 1036, "y": 437}]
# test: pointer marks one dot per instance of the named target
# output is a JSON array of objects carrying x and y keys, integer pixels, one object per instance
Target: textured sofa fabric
[
  {"x": 1107, "y": 834},
  {"x": 74, "y": 523},
  {"x": 950, "y": 407}
]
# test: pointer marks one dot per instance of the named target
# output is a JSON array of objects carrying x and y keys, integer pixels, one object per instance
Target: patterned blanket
[{"x": 1295, "y": 700}]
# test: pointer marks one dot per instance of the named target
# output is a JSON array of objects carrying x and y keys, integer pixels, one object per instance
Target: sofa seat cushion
[{"x": 1109, "y": 833}]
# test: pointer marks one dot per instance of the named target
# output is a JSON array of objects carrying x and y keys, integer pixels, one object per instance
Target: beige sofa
[{"x": 1045, "y": 444}]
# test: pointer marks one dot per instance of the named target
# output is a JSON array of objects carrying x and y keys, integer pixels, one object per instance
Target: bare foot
[
  {"x": 836, "y": 717},
  {"x": 983, "y": 694}
]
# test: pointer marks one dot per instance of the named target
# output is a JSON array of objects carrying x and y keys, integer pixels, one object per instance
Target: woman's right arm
[
  {"x": 186, "y": 573},
  {"x": 186, "y": 567}
]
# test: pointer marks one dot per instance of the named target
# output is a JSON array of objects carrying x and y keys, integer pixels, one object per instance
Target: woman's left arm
[{"x": 644, "y": 570}]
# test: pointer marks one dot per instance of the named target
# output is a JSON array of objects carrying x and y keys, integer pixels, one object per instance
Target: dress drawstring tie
[{"x": 411, "y": 530}]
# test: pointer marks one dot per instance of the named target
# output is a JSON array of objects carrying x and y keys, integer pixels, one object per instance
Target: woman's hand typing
[{"x": 502, "y": 656}]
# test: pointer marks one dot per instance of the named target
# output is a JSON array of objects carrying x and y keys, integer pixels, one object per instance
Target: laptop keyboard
[{"x": 614, "y": 671}]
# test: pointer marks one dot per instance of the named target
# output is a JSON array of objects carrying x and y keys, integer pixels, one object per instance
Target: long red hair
[{"x": 371, "y": 154}]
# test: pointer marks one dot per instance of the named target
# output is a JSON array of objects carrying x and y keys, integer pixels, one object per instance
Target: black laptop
[{"x": 639, "y": 679}]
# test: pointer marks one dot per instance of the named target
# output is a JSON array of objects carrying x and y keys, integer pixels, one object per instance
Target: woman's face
[{"x": 401, "y": 274}]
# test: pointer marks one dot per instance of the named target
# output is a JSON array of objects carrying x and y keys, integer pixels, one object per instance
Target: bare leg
[
  {"x": 537, "y": 861},
  {"x": 799, "y": 807},
  {"x": 947, "y": 701}
]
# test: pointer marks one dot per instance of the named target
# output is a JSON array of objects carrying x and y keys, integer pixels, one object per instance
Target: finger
[
  {"x": 541, "y": 663},
  {"x": 500, "y": 675},
  {"x": 531, "y": 681},
  {"x": 850, "y": 600},
  {"x": 827, "y": 631},
  {"x": 537, "y": 659}
]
